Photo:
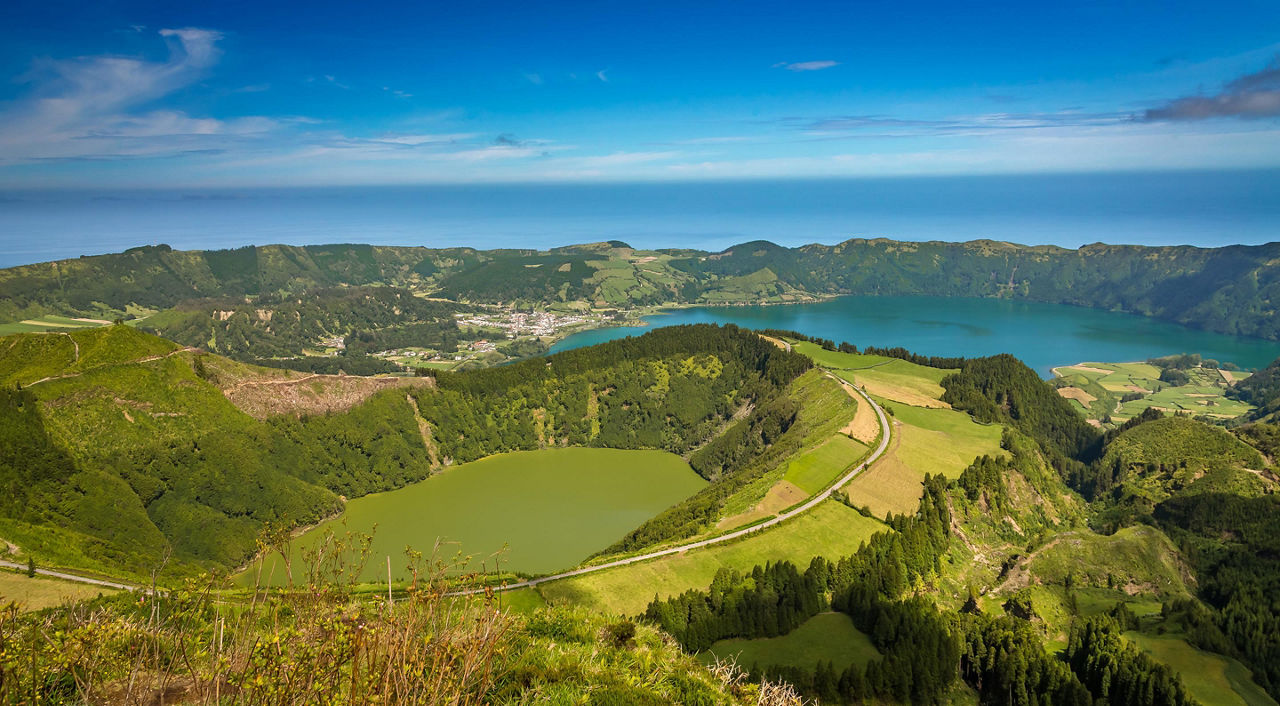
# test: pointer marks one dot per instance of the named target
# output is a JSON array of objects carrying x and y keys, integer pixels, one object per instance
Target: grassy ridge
[{"x": 824, "y": 637}]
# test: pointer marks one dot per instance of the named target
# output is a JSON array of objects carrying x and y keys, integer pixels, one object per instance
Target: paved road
[
  {"x": 71, "y": 577},
  {"x": 808, "y": 505}
]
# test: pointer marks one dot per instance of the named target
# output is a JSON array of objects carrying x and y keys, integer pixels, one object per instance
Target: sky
[{"x": 245, "y": 94}]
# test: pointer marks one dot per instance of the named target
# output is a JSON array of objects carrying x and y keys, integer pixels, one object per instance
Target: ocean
[{"x": 1173, "y": 208}]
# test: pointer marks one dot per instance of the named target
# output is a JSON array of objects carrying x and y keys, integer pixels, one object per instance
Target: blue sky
[{"x": 255, "y": 93}]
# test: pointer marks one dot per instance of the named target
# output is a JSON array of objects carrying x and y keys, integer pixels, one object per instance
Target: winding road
[
  {"x": 812, "y": 502},
  {"x": 885, "y": 433},
  {"x": 71, "y": 577}
]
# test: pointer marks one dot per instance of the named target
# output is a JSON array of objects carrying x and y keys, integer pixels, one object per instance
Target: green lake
[
  {"x": 1041, "y": 335},
  {"x": 550, "y": 509}
]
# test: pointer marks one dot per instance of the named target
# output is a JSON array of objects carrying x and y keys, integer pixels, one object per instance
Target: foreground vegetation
[{"x": 325, "y": 643}]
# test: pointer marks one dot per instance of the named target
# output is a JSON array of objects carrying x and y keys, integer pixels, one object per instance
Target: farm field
[
  {"x": 894, "y": 379},
  {"x": 830, "y": 529},
  {"x": 1214, "y": 680},
  {"x": 929, "y": 441},
  {"x": 816, "y": 469},
  {"x": 824, "y": 637},
  {"x": 49, "y": 323},
  {"x": 1098, "y": 389},
  {"x": 40, "y": 592},
  {"x": 550, "y": 509}
]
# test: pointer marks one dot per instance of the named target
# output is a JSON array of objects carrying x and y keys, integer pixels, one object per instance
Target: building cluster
[{"x": 519, "y": 323}]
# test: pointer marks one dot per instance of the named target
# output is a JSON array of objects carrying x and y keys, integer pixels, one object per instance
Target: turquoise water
[{"x": 1041, "y": 335}]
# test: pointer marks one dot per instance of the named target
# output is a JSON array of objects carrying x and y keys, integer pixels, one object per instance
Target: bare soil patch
[
  {"x": 1077, "y": 394},
  {"x": 311, "y": 394}
]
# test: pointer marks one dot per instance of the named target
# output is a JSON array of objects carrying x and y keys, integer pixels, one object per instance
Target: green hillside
[
  {"x": 1229, "y": 290},
  {"x": 161, "y": 459}
]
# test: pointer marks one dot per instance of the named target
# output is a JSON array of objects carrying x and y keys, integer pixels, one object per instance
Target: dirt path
[
  {"x": 147, "y": 359},
  {"x": 72, "y": 577}
]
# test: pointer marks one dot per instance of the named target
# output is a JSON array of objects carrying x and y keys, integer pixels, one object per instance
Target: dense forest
[{"x": 1230, "y": 289}]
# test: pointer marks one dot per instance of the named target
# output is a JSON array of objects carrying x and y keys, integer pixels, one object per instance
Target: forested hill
[
  {"x": 1231, "y": 290},
  {"x": 118, "y": 448}
]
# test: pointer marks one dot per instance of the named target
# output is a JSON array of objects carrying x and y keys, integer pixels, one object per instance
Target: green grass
[
  {"x": 1214, "y": 680},
  {"x": 893, "y": 378},
  {"x": 815, "y": 470},
  {"x": 948, "y": 441},
  {"x": 45, "y": 323},
  {"x": 824, "y": 637},
  {"x": 831, "y": 530},
  {"x": 550, "y": 509},
  {"x": 1140, "y": 556},
  {"x": 43, "y": 592}
]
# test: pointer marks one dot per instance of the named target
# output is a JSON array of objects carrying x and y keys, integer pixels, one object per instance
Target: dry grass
[
  {"x": 1077, "y": 394},
  {"x": 898, "y": 393},
  {"x": 889, "y": 485},
  {"x": 781, "y": 496},
  {"x": 40, "y": 592},
  {"x": 865, "y": 427},
  {"x": 307, "y": 645}
]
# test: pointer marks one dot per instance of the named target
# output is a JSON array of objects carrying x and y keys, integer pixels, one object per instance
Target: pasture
[
  {"x": 830, "y": 530},
  {"x": 1212, "y": 679},
  {"x": 891, "y": 378},
  {"x": 927, "y": 441},
  {"x": 531, "y": 511},
  {"x": 816, "y": 469},
  {"x": 822, "y": 638},
  {"x": 1098, "y": 388},
  {"x": 39, "y": 592},
  {"x": 49, "y": 323}
]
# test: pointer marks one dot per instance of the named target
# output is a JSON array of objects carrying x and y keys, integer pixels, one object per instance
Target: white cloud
[
  {"x": 601, "y": 75},
  {"x": 806, "y": 65},
  {"x": 94, "y": 107}
]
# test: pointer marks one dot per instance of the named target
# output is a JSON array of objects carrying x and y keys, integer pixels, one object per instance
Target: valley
[{"x": 639, "y": 477}]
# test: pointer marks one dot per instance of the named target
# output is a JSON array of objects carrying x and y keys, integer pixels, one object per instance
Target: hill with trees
[{"x": 1229, "y": 290}]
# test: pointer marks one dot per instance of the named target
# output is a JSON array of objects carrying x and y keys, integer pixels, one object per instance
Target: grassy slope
[
  {"x": 824, "y": 637},
  {"x": 929, "y": 440},
  {"x": 1176, "y": 454},
  {"x": 43, "y": 592},
  {"x": 830, "y": 530},
  {"x": 1212, "y": 679},
  {"x": 824, "y": 409}
]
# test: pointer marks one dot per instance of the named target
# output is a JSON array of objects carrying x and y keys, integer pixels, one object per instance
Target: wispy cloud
[
  {"x": 535, "y": 79},
  {"x": 95, "y": 107},
  {"x": 602, "y": 75},
  {"x": 1252, "y": 96},
  {"x": 806, "y": 65},
  {"x": 843, "y": 126}
]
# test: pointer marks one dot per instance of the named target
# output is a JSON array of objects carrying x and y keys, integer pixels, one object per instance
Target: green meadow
[
  {"x": 822, "y": 638},
  {"x": 531, "y": 511},
  {"x": 1211, "y": 678},
  {"x": 830, "y": 530}
]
